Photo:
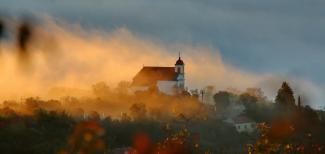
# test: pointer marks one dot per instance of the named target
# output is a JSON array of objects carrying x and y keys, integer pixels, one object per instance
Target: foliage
[
  {"x": 258, "y": 110},
  {"x": 154, "y": 122},
  {"x": 100, "y": 89},
  {"x": 267, "y": 145},
  {"x": 42, "y": 133},
  {"x": 87, "y": 138},
  {"x": 138, "y": 111},
  {"x": 223, "y": 98},
  {"x": 285, "y": 96},
  {"x": 1, "y": 29}
]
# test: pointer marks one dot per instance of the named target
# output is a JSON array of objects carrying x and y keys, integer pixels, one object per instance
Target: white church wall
[
  {"x": 181, "y": 67},
  {"x": 181, "y": 84},
  {"x": 167, "y": 87},
  {"x": 134, "y": 89}
]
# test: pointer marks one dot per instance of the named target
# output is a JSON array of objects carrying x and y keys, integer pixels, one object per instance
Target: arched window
[{"x": 178, "y": 70}]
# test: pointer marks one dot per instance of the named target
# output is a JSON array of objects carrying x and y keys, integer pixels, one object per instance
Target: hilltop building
[
  {"x": 168, "y": 80},
  {"x": 242, "y": 123},
  {"x": 207, "y": 95}
]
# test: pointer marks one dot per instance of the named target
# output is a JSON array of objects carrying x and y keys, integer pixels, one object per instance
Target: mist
[{"x": 63, "y": 54}]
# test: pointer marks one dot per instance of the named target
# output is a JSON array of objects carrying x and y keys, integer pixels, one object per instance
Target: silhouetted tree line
[
  {"x": 287, "y": 126},
  {"x": 43, "y": 126},
  {"x": 38, "y": 126},
  {"x": 58, "y": 132}
]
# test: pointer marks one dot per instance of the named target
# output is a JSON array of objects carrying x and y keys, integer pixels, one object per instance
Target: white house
[
  {"x": 168, "y": 80},
  {"x": 244, "y": 124}
]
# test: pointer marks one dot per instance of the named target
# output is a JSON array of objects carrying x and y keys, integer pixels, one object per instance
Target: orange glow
[
  {"x": 72, "y": 59},
  {"x": 142, "y": 143}
]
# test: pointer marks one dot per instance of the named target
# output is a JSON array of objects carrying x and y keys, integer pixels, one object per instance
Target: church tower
[{"x": 179, "y": 69}]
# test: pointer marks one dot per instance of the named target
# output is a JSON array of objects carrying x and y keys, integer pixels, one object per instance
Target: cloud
[
  {"x": 311, "y": 93},
  {"x": 67, "y": 55}
]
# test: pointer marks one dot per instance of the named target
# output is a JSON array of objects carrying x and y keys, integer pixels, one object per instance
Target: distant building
[
  {"x": 243, "y": 124},
  {"x": 207, "y": 95},
  {"x": 168, "y": 80}
]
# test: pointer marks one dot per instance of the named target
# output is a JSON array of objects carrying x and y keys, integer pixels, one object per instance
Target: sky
[{"x": 282, "y": 37}]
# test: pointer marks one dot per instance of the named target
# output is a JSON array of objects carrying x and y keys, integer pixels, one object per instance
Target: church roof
[{"x": 149, "y": 75}]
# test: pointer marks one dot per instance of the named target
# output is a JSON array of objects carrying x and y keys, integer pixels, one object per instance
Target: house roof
[
  {"x": 149, "y": 75},
  {"x": 242, "y": 119}
]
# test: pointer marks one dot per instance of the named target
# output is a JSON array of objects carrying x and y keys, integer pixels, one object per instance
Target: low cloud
[{"x": 67, "y": 55}]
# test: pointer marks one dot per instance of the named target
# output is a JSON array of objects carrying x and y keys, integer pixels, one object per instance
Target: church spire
[{"x": 179, "y": 61}]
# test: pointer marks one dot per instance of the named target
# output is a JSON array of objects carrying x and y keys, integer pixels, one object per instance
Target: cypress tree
[
  {"x": 285, "y": 96},
  {"x": 2, "y": 27}
]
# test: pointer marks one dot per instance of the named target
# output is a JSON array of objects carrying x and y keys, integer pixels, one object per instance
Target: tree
[
  {"x": 1, "y": 29},
  {"x": 138, "y": 111},
  {"x": 258, "y": 110},
  {"x": 246, "y": 98},
  {"x": 87, "y": 137},
  {"x": 122, "y": 87},
  {"x": 285, "y": 96},
  {"x": 32, "y": 104},
  {"x": 309, "y": 117},
  {"x": 256, "y": 92},
  {"x": 222, "y": 99},
  {"x": 93, "y": 115},
  {"x": 101, "y": 89}
]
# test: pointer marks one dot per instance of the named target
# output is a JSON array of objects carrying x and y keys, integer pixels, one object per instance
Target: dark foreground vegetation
[
  {"x": 284, "y": 126},
  {"x": 53, "y": 132}
]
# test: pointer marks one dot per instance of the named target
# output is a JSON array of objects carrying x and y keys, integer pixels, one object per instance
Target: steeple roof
[{"x": 179, "y": 61}]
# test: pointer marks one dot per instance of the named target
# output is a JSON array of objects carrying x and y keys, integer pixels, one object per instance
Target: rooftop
[
  {"x": 242, "y": 119},
  {"x": 149, "y": 75}
]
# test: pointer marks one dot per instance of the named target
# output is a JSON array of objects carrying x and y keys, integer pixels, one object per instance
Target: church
[{"x": 168, "y": 80}]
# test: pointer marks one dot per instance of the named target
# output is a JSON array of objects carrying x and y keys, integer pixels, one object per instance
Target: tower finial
[{"x": 179, "y": 61}]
